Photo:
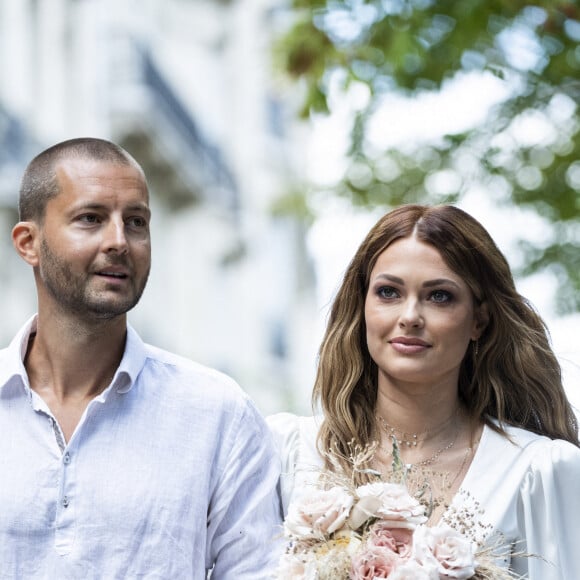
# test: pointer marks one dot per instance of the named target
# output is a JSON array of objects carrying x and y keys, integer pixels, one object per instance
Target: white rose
[
  {"x": 452, "y": 553},
  {"x": 365, "y": 508},
  {"x": 412, "y": 570},
  {"x": 390, "y": 502},
  {"x": 318, "y": 512}
]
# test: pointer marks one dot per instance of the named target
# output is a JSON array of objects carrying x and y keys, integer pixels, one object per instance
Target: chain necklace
[
  {"x": 413, "y": 443},
  {"x": 411, "y": 439},
  {"x": 406, "y": 439},
  {"x": 433, "y": 487},
  {"x": 435, "y": 456},
  {"x": 468, "y": 452}
]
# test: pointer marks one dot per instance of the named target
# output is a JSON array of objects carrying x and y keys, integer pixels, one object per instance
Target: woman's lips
[{"x": 405, "y": 345}]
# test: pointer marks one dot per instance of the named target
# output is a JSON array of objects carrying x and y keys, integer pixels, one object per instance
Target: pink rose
[
  {"x": 374, "y": 562},
  {"x": 318, "y": 512},
  {"x": 388, "y": 501},
  {"x": 398, "y": 540},
  {"x": 444, "y": 547}
]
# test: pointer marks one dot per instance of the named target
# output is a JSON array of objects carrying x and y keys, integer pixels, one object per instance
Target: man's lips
[{"x": 115, "y": 272}]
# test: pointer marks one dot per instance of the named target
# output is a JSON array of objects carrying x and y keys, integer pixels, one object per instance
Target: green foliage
[{"x": 412, "y": 46}]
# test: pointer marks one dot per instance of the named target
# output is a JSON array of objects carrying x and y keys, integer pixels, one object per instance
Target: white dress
[{"x": 529, "y": 490}]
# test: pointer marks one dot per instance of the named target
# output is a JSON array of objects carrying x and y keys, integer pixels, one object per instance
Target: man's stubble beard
[{"x": 71, "y": 291}]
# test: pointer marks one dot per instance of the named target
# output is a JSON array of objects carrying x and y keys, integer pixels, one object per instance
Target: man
[{"x": 117, "y": 460}]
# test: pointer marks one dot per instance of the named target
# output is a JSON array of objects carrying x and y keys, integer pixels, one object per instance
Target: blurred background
[{"x": 274, "y": 133}]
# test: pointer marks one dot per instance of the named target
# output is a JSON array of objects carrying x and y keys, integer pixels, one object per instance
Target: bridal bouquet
[{"x": 340, "y": 531}]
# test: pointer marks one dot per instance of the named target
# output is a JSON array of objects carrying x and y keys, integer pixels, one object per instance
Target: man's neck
[{"x": 74, "y": 359}]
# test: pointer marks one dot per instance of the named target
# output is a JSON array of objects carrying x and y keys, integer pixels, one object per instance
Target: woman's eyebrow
[
  {"x": 439, "y": 281},
  {"x": 394, "y": 279}
]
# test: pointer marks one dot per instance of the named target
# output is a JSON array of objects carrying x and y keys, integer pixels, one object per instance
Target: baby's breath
[{"x": 330, "y": 556}]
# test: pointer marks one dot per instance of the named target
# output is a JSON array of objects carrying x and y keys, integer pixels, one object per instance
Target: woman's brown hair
[{"x": 515, "y": 377}]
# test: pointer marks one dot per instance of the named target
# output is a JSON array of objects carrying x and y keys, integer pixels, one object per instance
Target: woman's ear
[
  {"x": 481, "y": 320},
  {"x": 24, "y": 238}
]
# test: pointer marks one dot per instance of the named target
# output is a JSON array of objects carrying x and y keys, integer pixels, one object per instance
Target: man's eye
[
  {"x": 89, "y": 218},
  {"x": 137, "y": 222}
]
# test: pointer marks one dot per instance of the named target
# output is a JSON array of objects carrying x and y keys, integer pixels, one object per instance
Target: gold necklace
[
  {"x": 435, "y": 456},
  {"x": 468, "y": 452},
  {"x": 411, "y": 439},
  {"x": 407, "y": 439}
]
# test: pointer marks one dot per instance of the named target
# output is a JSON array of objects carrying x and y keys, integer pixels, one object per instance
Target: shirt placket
[{"x": 65, "y": 509}]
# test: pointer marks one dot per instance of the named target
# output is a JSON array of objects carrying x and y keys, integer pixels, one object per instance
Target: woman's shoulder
[
  {"x": 535, "y": 450},
  {"x": 524, "y": 438},
  {"x": 294, "y": 434},
  {"x": 524, "y": 487},
  {"x": 295, "y": 437},
  {"x": 284, "y": 425}
]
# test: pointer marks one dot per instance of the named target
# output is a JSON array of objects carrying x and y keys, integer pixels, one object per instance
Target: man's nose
[{"x": 115, "y": 236}]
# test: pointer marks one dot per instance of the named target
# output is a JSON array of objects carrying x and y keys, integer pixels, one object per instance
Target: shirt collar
[
  {"x": 13, "y": 359},
  {"x": 133, "y": 360}
]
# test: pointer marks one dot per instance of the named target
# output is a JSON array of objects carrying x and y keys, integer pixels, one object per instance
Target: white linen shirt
[{"x": 170, "y": 472}]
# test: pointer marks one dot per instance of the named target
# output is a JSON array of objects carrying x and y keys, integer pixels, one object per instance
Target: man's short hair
[{"x": 39, "y": 183}]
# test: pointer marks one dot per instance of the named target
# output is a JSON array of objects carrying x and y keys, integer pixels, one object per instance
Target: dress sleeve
[
  {"x": 285, "y": 428},
  {"x": 549, "y": 507},
  {"x": 244, "y": 522}
]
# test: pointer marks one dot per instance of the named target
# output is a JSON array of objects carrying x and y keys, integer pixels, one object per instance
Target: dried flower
[{"x": 341, "y": 531}]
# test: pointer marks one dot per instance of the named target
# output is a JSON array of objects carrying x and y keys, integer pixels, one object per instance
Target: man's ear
[
  {"x": 481, "y": 320},
  {"x": 25, "y": 238}
]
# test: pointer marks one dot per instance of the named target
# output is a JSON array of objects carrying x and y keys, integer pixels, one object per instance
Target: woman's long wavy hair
[{"x": 515, "y": 377}]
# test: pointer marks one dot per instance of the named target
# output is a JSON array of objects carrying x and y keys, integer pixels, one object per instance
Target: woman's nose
[{"x": 411, "y": 316}]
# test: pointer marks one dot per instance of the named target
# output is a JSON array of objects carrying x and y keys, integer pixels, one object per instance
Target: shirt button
[
  {"x": 66, "y": 458},
  {"x": 65, "y": 501}
]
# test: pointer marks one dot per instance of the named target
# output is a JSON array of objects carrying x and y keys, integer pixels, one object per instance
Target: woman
[{"x": 429, "y": 345}]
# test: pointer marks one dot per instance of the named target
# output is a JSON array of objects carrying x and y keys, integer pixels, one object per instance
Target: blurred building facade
[{"x": 186, "y": 87}]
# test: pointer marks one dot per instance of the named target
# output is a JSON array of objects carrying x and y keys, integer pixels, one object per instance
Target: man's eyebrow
[{"x": 100, "y": 206}]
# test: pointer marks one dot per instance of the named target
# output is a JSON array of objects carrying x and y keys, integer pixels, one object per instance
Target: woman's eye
[
  {"x": 387, "y": 292},
  {"x": 441, "y": 296}
]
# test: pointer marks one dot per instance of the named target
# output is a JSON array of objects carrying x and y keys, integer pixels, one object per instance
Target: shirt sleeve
[
  {"x": 549, "y": 513},
  {"x": 244, "y": 523}
]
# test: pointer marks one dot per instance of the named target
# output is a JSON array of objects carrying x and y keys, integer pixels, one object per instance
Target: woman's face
[{"x": 420, "y": 316}]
